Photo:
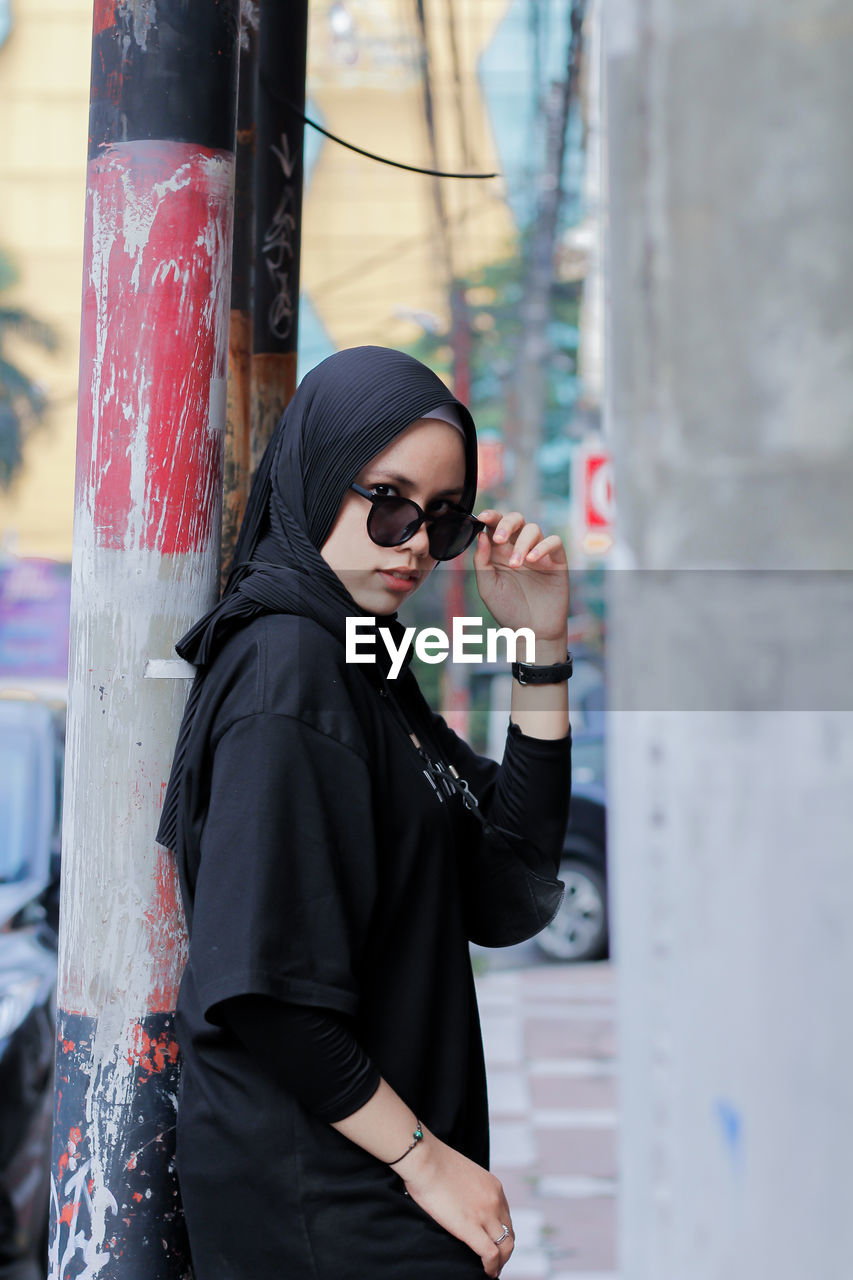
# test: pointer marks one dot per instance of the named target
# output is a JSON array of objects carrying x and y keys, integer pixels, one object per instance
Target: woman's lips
[{"x": 398, "y": 582}]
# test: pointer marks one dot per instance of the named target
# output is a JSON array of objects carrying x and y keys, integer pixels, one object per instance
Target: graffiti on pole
[
  {"x": 279, "y": 245},
  {"x": 106, "y": 1192}
]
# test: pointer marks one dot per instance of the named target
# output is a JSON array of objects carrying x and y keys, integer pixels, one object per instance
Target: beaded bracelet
[{"x": 417, "y": 1135}]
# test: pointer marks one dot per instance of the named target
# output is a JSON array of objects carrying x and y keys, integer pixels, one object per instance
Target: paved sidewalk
[{"x": 550, "y": 1052}]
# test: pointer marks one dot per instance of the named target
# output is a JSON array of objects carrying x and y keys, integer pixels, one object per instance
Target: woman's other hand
[
  {"x": 462, "y": 1197},
  {"x": 522, "y": 576}
]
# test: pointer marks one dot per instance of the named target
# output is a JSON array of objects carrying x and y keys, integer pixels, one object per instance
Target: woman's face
[{"x": 426, "y": 463}]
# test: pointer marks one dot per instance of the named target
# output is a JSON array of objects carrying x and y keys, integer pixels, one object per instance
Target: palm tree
[{"x": 23, "y": 402}]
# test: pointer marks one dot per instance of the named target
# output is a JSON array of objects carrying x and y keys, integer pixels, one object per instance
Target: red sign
[{"x": 598, "y": 491}]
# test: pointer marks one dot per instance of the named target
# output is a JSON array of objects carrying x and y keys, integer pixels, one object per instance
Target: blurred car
[
  {"x": 579, "y": 931},
  {"x": 30, "y": 762}
]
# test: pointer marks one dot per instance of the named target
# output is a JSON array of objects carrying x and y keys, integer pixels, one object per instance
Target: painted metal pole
[
  {"x": 531, "y": 399},
  {"x": 455, "y": 687},
  {"x": 282, "y": 53},
  {"x": 730, "y": 380},
  {"x": 455, "y": 684},
  {"x": 154, "y": 345},
  {"x": 239, "y": 410}
]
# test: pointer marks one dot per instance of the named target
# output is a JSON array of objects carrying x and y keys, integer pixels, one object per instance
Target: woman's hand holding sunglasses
[{"x": 522, "y": 577}]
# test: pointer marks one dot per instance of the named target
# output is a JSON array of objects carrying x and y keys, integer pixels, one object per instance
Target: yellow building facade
[{"x": 44, "y": 96}]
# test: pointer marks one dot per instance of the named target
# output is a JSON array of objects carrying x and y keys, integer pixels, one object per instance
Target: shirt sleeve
[
  {"x": 312, "y": 1052},
  {"x": 528, "y": 793},
  {"x": 511, "y": 855},
  {"x": 287, "y": 871}
]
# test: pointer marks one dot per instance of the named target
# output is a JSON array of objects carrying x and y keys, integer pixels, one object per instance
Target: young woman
[{"x": 339, "y": 846}]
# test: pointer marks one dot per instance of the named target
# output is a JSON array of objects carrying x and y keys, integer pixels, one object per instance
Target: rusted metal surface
[
  {"x": 237, "y": 429},
  {"x": 238, "y": 416},
  {"x": 273, "y": 383}
]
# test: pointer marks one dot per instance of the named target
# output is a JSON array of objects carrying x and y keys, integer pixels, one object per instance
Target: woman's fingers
[
  {"x": 504, "y": 1234},
  {"x": 510, "y": 532},
  {"x": 525, "y": 540},
  {"x": 497, "y": 1252},
  {"x": 492, "y": 1259},
  {"x": 502, "y": 526},
  {"x": 551, "y": 546},
  {"x": 502, "y": 1237},
  {"x": 482, "y": 551}
]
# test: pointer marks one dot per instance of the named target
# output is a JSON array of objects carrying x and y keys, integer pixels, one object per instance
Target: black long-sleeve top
[
  {"x": 324, "y": 869},
  {"x": 314, "y": 1053}
]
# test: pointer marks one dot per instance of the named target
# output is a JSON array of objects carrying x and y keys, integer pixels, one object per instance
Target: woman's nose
[{"x": 419, "y": 542}]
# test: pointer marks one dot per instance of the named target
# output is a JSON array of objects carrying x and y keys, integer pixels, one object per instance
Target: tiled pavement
[{"x": 549, "y": 1035}]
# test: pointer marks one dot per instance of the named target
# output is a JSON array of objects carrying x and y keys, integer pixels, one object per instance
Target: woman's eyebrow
[{"x": 403, "y": 481}]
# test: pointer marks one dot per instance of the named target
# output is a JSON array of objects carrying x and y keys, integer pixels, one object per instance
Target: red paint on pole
[
  {"x": 104, "y": 16},
  {"x": 164, "y": 918},
  {"x": 149, "y": 442},
  {"x": 149, "y": 1054}
]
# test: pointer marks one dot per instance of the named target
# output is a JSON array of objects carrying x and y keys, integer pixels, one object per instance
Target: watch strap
[{"x": 527, "y": 673}]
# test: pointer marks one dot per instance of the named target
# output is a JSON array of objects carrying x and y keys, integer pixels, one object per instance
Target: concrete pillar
[{"x": 730, "y": 381}]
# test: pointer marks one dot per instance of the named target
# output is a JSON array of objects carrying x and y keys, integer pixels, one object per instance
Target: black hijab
[{"x": 345, "y": 411}]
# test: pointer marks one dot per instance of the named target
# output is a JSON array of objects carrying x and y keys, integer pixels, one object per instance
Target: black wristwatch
[{"x": 524, "y": 673}]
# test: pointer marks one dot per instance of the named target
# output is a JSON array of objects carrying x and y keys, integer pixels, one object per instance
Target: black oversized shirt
[{"x": 323, "y": 866}]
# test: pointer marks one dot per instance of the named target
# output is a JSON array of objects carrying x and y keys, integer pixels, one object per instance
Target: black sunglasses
[{"x": 393, "y": 520}]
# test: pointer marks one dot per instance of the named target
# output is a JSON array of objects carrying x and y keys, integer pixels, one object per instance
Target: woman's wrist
[
  {"x": 417, "y": 1136},
  {"x": 416, "y": 1163},
  {"x": 549, "y": 651},
  {"x": 542, "y": 710},
  {"x": 385, "y": 1126}
]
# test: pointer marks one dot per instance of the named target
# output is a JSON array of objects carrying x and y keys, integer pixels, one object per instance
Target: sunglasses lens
[
  {"x": 392, "y": 521},
  {"x": 450, "y": 535}
]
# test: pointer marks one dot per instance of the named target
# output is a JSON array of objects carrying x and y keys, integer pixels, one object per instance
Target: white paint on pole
[
  {"x": 169, "y": 669},
  {"x": 126, "y": 736}
]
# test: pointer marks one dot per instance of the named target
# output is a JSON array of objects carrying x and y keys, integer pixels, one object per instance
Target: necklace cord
[{"x": 438, "y": 773}]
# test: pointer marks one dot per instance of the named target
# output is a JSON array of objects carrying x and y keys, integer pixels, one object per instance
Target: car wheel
[{"x": 579, "y": 929}]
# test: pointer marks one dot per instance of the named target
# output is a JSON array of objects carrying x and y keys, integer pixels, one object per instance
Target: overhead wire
[
  {"x": 446, "y": 224},
  {"x": 269, "y": 85}
]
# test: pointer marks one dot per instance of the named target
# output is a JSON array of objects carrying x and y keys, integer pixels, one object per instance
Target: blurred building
[
  {"x": 376, "y": 257},
  {"x": 450, "y": 86},
  {"x": 44, "y": 97}
]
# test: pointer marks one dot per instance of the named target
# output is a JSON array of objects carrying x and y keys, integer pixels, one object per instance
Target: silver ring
[{"x": 506, "y": 1234}]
